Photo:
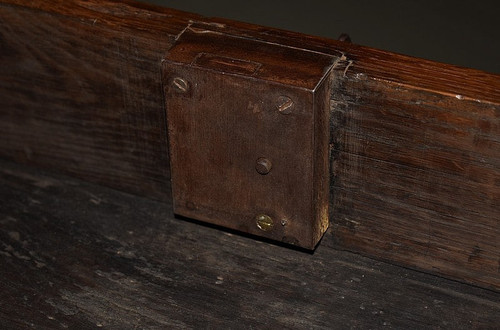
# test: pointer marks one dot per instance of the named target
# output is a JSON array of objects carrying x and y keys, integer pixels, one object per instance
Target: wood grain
[
  {"x": 415, "y": 144},
  {"x": 415, "y": 178},
  {"x": 83, "y": 94},
  {"x": 80, "y": 256}
]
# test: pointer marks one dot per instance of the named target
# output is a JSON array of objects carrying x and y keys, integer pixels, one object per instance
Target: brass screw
[
  {"x": 264, "y": 222},
  {"x": 285, "y": 105},
  {"x": 180, "y": 84},
  {"x": 263, "y": 166}
]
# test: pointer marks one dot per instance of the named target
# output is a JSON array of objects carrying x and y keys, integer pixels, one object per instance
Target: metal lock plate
[{"x": 248, "y": 128}]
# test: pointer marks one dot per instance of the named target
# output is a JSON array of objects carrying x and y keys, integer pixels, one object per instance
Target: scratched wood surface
[
  {"x": 415, "y": 144},
  {"x": 81, "y": 91},
  {"x": 416, "y": 177},
  {"x": 80, "y": 256}
]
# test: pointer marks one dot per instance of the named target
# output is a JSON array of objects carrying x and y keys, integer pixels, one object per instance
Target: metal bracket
[{"x": 248, "y": 129}]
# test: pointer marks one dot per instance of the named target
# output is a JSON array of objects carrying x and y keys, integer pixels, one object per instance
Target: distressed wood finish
[
  {"x": 81, "y": 91},
  {"x": 415, "y": 144},
  {"x": 415, "y": 177},
  {"x": 122, "y": 262}
]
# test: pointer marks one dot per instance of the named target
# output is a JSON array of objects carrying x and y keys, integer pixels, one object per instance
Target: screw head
[
  {"x": 264, "y": 222},
  {"x": 285, "y": 105},
  {"x": 263, "y": 166},
  {"x": 345, "y": 37},
  {"x": 180, "y": 85}
]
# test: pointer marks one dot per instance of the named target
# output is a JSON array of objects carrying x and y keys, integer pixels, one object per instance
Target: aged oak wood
[
  {"x": 81, "y": 91},
  {"x": 415, "y": 151},
  {"x": 426, "y": 188},
  {"x": 80, "y": 256}
]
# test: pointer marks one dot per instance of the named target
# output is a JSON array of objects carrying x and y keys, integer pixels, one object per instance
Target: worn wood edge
[
  {"x": 383, "y": 65},
  {"x": 376, "y": 64},
  {"x": 116, "y": 14},
  {"x": 365, "y": 60}
]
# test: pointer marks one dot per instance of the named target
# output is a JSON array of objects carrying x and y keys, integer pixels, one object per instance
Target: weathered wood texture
[
  {"x": 79, "y": 256},
  {"x": 415, "y": 165},
  {"x": 81, "y": 91},
  {"x": 416, "y": 177},
  {"x": 415, "y": 144}
]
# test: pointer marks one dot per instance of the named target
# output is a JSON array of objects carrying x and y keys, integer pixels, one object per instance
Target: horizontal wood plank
[
  {"x": 415, "y": 177},
  {"x": 82, "y": 93},
  {"x": 78, "y": 255}
]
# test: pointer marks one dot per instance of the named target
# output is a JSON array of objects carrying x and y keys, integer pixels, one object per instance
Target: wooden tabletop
[{"x": 78, "y": 255}]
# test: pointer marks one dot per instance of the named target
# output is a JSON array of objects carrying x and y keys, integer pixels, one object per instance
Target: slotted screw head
[
  {"x": 263, "y": 166},
  {"x": 180, "y": 85},
  {"x": 264, "y": 222},
  {"x": 285, "y": 105}
]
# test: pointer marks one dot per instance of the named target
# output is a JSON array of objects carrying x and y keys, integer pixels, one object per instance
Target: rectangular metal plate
[{"x": 248, "y": 135}]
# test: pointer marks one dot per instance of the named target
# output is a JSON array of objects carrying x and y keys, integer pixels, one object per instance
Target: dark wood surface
[
  {"x": 415, "y": 144},
  {"x": 81, "y": 92},
  {"x": 80, "y": 256},
  {"x": 416, "y": 177}
]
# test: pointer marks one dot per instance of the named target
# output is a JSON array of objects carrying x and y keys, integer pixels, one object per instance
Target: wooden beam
[
  {"x": 415, "y": 144},
  {"x": 77, "y": 255},
  {"x": 415, "y": 177},
  {"x": 81, "y": 90}
]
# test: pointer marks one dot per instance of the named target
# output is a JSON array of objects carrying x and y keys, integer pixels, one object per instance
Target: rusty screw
[
  {"x": 264, "y": 222},
  {"x": 180, "y": 85},
  {"x": 285, "y": 105},
  {"x": 263, "y": 166}
]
